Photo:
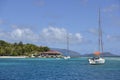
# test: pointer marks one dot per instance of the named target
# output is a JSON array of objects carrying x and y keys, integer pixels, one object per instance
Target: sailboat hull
[
  {"x": 67, "y": 57},
  {"x": 97, "y": 61}
]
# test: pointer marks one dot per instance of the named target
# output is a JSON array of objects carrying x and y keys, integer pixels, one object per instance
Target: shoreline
[
  {"x": 45, "y": 57},
  {"x": 13, "y": 56}
]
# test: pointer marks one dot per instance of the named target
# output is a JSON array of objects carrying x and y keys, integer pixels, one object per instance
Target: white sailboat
[
  {"x": 67, "y": 57},
  {"x": 97, "y": 59}
]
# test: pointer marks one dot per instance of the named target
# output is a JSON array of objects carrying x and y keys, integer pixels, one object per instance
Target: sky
[{"x": 50, "y": 22}]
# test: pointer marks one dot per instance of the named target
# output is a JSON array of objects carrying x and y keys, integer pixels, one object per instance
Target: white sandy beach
[{"x": 12, "y": 56}]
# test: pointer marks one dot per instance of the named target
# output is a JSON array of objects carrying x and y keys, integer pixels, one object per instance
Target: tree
[
  {"x": 18, "y": 49},
  {"x": 3, "y": 43},
  {"x": 46, "y": 49}
]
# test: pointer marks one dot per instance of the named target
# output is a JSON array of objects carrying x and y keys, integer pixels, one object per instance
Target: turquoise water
[{"x": 53, "y": 69}]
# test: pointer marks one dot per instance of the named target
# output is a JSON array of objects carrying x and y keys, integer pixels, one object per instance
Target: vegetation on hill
[{"x": 20, "y": 49}]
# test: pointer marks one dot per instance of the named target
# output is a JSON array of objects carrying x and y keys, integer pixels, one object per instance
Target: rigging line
[{"x": 100, "y": 34}]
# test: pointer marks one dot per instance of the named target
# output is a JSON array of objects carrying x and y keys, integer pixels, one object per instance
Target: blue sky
[{"x": 46, "y": 22}]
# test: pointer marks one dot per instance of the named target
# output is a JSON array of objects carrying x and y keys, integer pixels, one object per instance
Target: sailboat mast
[
  {"x": 99, "y": 42},
  {"x": 100, "y": 35},
  {"x": 67, "y": 43}
]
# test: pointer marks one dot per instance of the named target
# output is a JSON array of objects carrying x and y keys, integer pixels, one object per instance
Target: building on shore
[{"x": 49, "y": 54}]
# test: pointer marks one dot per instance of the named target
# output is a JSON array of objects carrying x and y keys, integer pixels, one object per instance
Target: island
[{"x": 21, "y": 50}]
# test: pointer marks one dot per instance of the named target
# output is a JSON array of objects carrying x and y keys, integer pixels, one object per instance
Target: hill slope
[{"x": 65, "y": 52}]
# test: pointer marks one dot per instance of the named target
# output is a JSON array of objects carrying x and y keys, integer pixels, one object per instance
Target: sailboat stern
[{"x": 96, "y": 61}]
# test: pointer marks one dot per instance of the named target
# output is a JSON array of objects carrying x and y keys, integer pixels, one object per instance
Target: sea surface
[{"x": 58, "y": 69}]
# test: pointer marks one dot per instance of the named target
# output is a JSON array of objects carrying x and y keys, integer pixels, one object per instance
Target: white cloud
[
  {"x": 111, "y": 8},
  {"x": 78, "y": 35},
  {"x": 59, "y": 35},
  {"x": 53, "y": 33},
  {"x": 47, "y": 35},
  {"x": 24, "y": 34},
  {"x": 17, "y": 33}
]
